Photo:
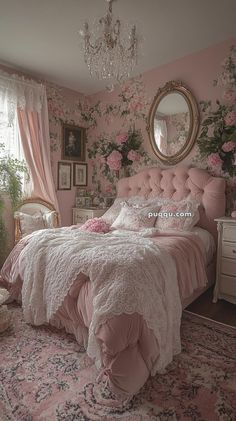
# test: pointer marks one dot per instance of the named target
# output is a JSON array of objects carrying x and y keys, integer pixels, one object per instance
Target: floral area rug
[{"x": 45, "y": 376}]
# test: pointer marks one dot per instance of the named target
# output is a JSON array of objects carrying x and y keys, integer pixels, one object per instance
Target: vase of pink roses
[
  {"x": 217, "y": 140},
  {"x": 119, "y": 153}
]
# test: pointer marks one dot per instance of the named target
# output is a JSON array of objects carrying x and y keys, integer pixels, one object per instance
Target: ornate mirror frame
[{"x": 175, "y": 87}]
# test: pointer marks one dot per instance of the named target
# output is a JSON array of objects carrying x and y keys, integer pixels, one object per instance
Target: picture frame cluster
[{"x": 73, "y": 149}]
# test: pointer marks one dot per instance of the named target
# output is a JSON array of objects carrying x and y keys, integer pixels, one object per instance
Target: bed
[{"x": 128, "y": 345}]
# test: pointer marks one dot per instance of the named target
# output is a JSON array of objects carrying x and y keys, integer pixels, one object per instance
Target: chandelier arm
[{"x": 95, "y": 49}]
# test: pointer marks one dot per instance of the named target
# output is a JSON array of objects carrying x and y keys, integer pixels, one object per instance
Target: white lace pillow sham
[
  {"x": 30, "y": 223},
  {"x": 111, "y": 214},
  {"x": 181, "y": 216},
  {"x": 49, "y": 219},
  {"x": 135, "y": 217}
]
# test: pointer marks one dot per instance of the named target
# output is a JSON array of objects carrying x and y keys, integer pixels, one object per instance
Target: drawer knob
[{"x": 234, "y": 251}]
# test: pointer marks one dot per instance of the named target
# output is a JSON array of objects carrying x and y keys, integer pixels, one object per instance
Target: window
[{"x": 10, "y": 142}]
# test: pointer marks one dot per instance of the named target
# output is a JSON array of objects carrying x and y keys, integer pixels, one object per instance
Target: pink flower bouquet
[{"x": 95, "y": 225}]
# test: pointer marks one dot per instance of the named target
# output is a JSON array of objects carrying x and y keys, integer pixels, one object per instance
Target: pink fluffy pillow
[{"x": 95, "y": 225}]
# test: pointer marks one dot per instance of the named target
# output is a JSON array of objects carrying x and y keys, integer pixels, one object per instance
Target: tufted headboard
[{"x": 178, "y": 183}]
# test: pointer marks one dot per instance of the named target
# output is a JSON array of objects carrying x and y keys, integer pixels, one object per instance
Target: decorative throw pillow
[
  {"x": 50, "y": 219},
  {"x": 111, "y": 214},
  {"x": 30, "y": 223},
  {"x": 135, "y": 217},
  {"x": 181, "y": 216}
]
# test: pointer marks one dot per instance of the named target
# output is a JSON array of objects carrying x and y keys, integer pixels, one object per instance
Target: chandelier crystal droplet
[{"x": 110, "y": 48}]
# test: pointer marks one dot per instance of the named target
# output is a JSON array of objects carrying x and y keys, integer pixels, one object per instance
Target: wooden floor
[{"x": 222, "y": 311}]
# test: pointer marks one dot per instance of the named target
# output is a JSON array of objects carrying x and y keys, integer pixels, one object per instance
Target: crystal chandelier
[{"x": 110, "y": 49}]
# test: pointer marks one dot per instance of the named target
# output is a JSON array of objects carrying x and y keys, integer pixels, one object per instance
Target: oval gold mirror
[{"x": 173, "y": 122}]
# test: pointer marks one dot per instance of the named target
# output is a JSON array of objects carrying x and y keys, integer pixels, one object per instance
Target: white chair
[{"x": 32, "y": 215}]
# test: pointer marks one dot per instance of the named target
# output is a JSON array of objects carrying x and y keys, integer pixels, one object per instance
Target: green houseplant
[{"x": 10, "y": 184}]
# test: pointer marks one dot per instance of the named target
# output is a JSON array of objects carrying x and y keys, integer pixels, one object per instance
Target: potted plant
[{"x": 11, "y": 185}]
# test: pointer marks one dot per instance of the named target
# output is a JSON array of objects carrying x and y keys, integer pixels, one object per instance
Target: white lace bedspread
[{"x": 129, "y": 274}]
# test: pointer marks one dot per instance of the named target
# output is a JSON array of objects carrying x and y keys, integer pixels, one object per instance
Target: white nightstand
[
  {"x": 226, "y": 260},
  {"x": 81, "y": 215}
]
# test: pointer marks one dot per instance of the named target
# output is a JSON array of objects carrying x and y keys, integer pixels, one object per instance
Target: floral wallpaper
[
  {"x": 125, "y": 113},
  {"x": 217, "y": 139},
  {"x": 108, "y": 115}
]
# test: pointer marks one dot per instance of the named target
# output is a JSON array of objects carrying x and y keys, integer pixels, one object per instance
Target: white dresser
[
  {"x": 226, "y": 260},
  {"x": 81, "y": 215}
]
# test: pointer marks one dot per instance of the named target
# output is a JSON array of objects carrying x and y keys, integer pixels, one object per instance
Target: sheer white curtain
[
  {"x": 24, "y": 109},
  {"x": 12, "y": 146}
]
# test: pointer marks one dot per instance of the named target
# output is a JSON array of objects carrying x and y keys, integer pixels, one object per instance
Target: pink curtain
[{"x": 34, "y": 132}]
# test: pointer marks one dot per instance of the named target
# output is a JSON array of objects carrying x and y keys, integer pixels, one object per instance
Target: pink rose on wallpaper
[
  {"x": 114, "y": 160},
  {"x": 230, "y": 118},
  {"x": 228, "y": 146},
  {"x": 133, "y": 155},
  {"x": 229, "y": 95},
  {"x": 214, "y": 160},
  {"x": 135, "y": 106},
  {"x": 122, "y": 138}
]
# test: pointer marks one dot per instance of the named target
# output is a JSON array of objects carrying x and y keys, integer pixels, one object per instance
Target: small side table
[{"x": 225, "y": 286}]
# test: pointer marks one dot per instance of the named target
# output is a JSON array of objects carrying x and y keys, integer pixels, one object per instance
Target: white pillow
[
  {"x": 135, "y": 217},
  {"x": 111, "y": 214},
  {"x": 30, "y": 223},
  {"x": 49, "y": 219}
]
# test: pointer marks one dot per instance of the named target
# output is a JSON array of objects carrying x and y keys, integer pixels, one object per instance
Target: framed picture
[
  {"x": 80, "y": 174},
  {"x": 73, "y": 143},
  {"x": 64, "y": 176}
]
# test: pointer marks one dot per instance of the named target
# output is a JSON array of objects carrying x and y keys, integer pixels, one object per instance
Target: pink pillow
[
  {"x": 181, "y": 216},
  {"x": 95, "y": 225},
  {"x": 134, "y": 217}
]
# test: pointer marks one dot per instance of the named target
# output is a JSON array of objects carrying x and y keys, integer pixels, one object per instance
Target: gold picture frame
[
  {"x": 64, "y": 176},
  {"x": 73, "y": 142},
  {"x": 80, "y": 174}
]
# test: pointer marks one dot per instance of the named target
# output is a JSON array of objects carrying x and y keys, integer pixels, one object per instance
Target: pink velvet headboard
[{"x": 177, "y": 183}]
